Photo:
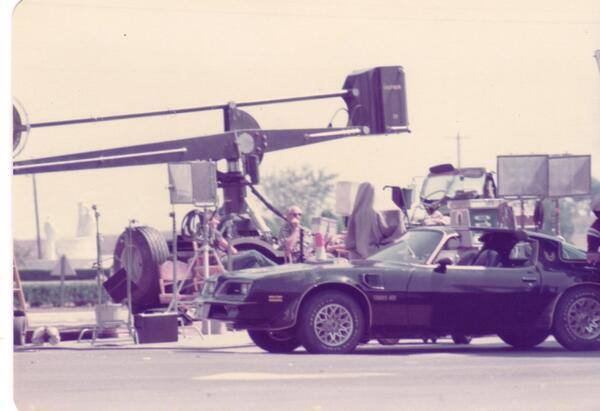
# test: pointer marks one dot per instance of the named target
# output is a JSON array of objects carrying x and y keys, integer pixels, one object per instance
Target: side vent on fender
[{"x": 373, "y": 281}]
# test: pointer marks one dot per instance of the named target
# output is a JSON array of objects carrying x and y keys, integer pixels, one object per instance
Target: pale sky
[{"x": 512, "y": 77}]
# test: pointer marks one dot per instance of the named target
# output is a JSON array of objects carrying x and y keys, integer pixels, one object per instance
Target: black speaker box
[{"x": 156, "y": 327}]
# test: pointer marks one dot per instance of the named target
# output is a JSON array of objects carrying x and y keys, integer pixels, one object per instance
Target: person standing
[{"x": 593, "y": 235}]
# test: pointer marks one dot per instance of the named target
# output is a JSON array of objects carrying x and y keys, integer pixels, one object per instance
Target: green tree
[{"x": 310, "y": 189}]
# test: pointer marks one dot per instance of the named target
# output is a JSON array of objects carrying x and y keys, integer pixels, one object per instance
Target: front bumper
[{"x": 250, "y": 314}]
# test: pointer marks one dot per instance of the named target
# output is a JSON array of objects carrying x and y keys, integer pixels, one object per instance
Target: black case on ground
[{"x": 156, "y": 327}]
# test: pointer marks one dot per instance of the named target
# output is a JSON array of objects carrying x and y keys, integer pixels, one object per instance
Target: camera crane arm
[
  {"x": 229, "y": 146},
  {"x": 375, "y": 101}
]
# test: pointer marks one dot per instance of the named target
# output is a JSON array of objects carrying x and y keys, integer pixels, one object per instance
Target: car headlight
[{"x": 235, "y": 288}]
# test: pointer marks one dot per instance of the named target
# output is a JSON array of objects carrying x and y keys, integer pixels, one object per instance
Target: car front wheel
[
  {"x": 577, "y": 319},
  {"x": 525, "y": 339},
  {"x": 331, "y": 323},
  {"x": 275, "y": 341}
]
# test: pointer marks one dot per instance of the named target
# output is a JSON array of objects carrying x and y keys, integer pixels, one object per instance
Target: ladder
[{"x": 17, "y": 287}]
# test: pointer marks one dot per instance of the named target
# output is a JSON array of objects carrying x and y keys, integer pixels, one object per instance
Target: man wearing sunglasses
[{"x": 289, "y": 235}]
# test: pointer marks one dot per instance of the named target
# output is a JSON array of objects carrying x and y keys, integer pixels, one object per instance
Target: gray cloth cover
[{"x": 366, "y": 227}]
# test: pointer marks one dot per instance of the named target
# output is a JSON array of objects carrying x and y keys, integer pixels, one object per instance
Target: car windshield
[
  {"x": 438, "y": 186},
  {"x": 570, "y": 252},
  {"x": 466, "y": 184},
  {"x": 435, "y": 187},
  {"x": 413, "y": 247}
]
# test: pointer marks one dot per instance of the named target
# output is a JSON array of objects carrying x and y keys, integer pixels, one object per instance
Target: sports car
[{"x": 522, "y": 286}]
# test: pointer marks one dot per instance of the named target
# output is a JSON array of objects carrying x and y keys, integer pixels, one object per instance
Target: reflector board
[
  {"x": 193, "y": 183},
  {"x": 570, "y": 175},
  {"x": 523, "y": 176}
]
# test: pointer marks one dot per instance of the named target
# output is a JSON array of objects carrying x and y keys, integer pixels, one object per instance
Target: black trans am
[{"x": 521, "y": 286}]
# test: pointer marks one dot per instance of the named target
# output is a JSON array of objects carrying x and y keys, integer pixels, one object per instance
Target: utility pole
[
  {"x": 457, "y": 150},
  {"x": 458, "y": 139},
  {"x": 37, "y": 218}
]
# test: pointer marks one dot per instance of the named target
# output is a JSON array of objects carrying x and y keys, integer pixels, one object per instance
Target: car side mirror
[{"x": 442, "y": 264}]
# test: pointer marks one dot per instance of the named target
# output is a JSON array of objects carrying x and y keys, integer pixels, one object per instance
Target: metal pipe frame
[{"x": 188, "y": 110}]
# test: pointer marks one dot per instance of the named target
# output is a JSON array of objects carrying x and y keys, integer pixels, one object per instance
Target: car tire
[
  {"x": 461, "y": 339},
  {"x": 274, "y": 342},
  {"x": 331, "y": 309},
  {"x": 524, "y": 339},
  {"x": 577, "y": 319}
]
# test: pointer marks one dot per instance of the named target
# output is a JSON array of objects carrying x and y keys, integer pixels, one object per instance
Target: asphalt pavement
[{"x": 226, "y": 372}]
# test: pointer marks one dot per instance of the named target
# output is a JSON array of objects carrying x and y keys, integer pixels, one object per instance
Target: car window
[
  {"x": 413, "y": 247},
  {"x": 435, "y": 187},
  {"x": 522, "y": 254},
  {"x": 523, "y": 250},
  {"x": 570, "y": 252},
  {"x": 548, "y": 254},
  {"x": 466, "y": 184}
]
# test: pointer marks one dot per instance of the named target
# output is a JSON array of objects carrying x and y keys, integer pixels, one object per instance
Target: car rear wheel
[
  {"x": 577, "y": 319},
  {"x": 461, "y": 339},
  {"x": 331, "y": 322},
  {"x": 275, "y": 341},
  {"x": 525, "y": 339}
]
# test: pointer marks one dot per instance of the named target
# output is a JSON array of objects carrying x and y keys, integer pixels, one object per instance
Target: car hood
[{"x": 278, "y": 270}]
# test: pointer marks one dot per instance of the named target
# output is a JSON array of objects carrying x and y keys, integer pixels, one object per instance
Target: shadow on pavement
[
  {"x": 547, "y": 350},
  {"x": 543, "y": 351},
  {"x": 141, "y": 347}
]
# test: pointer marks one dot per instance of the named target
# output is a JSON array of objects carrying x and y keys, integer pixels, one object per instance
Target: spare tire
[{"x": 148, "y": 251}]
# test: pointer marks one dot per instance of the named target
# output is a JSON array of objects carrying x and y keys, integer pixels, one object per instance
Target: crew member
[
  {"x": 367, "y": 229},
  {"x": 290, "y": 233},
  {"x": 593, "y": 235},
  {"x": 435, "y": 217}
]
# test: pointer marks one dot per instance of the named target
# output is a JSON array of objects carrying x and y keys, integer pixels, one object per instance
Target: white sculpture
[
  {"x": 49, "y": 251},
  {"x": 85, "y": 223}
]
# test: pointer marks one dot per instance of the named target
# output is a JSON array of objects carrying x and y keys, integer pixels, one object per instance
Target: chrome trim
[
  {"x": 344, "y": 132},
  {"x": 396, "y": 128}
]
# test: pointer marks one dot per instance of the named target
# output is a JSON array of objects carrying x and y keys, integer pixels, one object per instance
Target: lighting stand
[
  {"x": 203, "y": 251},
  {"x": 228, "y": 226},
  {"x": 174, "y": 237},
  {"x": 130, "y": 325},
  {"x": 98, "y": 253}
]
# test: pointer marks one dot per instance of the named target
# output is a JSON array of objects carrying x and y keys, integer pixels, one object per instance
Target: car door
[
  {"x": 450, "y": 300},
  {"x": 516, "y": 297},
  {"x": 474, "y": 299},
  {"x": 386, "y": 287}
]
